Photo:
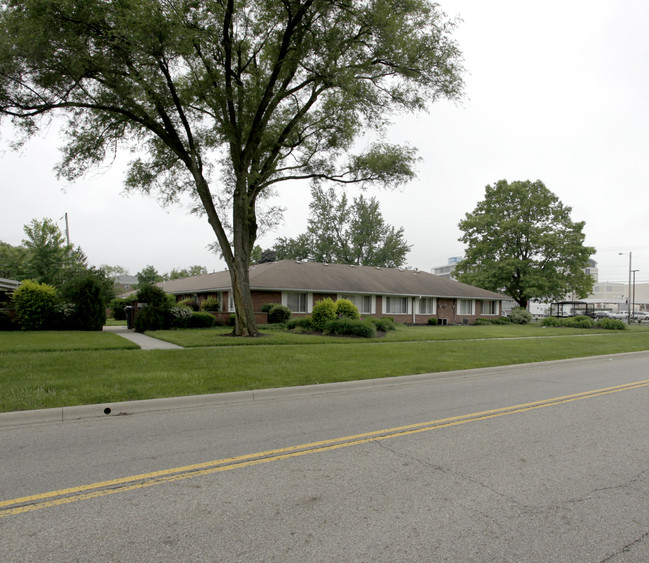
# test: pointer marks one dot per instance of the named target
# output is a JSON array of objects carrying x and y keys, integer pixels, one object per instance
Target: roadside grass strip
[
  {"x": 131, "y": 483},
  {"x": 60, "y": 379}
]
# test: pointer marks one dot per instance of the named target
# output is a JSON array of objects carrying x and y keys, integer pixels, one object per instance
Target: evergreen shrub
[
  {"x": 383, "y": 324},
  {"x": 324, "y": 311},
  {"x": 345, "y": 308},
  {"x": 117, "y": 305},
  {"x": 482, "y": 321},
  {"x": 35, "y": 305},
  {"x": 432, "y": 321},
  {"x": 156, "y": 314},
  {"x": 350, "y": 327},
  {"x": 501, "y": 321},
  {"x": 551, "y": 321},
  {"x": 86, "y": 295},
  {"x": 201, "y": 320},
  {"x": 304, "y": 323},
  {"x": 278, "y": 314}
]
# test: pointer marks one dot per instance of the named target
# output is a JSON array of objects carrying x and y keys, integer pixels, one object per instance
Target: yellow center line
[{"x": 133, "y": 482}]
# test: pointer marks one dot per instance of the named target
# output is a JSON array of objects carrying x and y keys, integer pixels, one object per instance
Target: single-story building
[
  {"x": 408, "y": 296},
  {"x": 7, "y": 287}
]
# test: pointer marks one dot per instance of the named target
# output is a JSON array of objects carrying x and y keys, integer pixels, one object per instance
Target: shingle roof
[{"x": 333, "y": 278}]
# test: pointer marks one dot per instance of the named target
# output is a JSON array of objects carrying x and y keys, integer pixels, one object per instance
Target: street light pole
[
  {"x": 633, "y": 301},
  {"x": 629, "y": 298}
]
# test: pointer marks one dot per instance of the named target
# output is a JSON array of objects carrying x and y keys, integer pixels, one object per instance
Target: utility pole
[
  {"x": 67, "y": 229},
  {"x": 629, "y": 298}
]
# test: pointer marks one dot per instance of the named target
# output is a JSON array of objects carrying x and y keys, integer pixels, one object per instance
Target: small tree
[
  {"x": 323, "y": 312},
  {"x": 156, "y": 314},
  {"x": 87, "y": 295}
]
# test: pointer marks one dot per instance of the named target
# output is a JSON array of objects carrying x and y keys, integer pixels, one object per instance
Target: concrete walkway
[{"x": 143, "y": 341}]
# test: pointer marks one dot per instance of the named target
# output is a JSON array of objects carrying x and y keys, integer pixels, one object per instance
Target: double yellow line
[{"x": 123, "y": 484}]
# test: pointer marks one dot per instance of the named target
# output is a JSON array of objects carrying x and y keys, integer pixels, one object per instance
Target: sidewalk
[{"x": 144, "y": 342}]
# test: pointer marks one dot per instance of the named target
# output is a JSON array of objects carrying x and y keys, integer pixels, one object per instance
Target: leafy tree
[
  {"x": 225, "y": 100},
  {"x": 35, "y": 305},
  {"x": 180, "y": 273},
  {"x": 49, "y": 259},
  {"x": 346, "y": 234},
  {"x": 148, "y": 276},
  {"x": 88, "y": 296},
  {"x": 521, "y": 240},
  {"x": 13, "y": 261}
]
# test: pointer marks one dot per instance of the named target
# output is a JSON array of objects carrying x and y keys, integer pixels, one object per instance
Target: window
[
  {"x": 231, "y": 308},
  {"x": 396, "y": 305},
  {"x": 465, "y": 307},
  {"x": 297, "y": 302},
  {"x": 490, "y": 307},
  {"x": 427, "y": 306},
  {"x": 365, "y": 303}
]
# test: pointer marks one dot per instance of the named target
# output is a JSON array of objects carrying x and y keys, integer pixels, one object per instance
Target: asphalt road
[{"x": 545, "y": 462}]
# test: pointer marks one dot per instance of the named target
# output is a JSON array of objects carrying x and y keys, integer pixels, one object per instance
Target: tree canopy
[
  {"x": 342, "y": 233},
  {"x": 223, "y": 100},
  {"x": 520, "y": 239}
]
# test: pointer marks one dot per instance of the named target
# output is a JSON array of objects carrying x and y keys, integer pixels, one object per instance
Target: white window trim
[
  {"x": 433, "y": 312},
  {"x": 309, "y": 301},
  {"x": 408, "y": 304},
  {"x": 472, "y": 301},
  {"x": 361, "y": 295},
  {"x": 231, "y": 308}
]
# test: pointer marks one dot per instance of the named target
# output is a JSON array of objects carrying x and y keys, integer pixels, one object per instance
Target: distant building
[{"x": 447, "y": 270}]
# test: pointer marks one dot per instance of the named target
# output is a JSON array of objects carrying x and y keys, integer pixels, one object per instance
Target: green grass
[
  {"x": 47, "y": 341},
  {"x": 221, "y": 336},
  {"x": 38, "y": 379}
]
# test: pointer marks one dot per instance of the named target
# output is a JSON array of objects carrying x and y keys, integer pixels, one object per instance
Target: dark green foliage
[
  {"x": 278, "y": 314},
  {"x": 481, "y": 321},
  {"x": 323, "y": 312},
  {"x": 211, "y": 304},
  {"x": 522, "y": 238},
  {"x": 232, "y": 320},
  {"x": 432, "y": 321},
  {"x": 266, "y": 307},
  {"x": 86, "y": 295},
  {"x": 520, "y": 315},
  {"x": 611, "y": 324},
  {"x": 117, "y": 306},
  {"x": 303, "y": 323},
  {"x": 384, "y": 324},
  {"x": 580, "y": 321},
  {"x": 201, "y": 320},
  {"x": 35, "y": 305},
  {"x": 501, "y": 321},
  {"x": 349, "y": 327},
  {"x": 155, "y": 315},
  {"x": 7, "y": 319},
  {"x": 345, "y": 308}
]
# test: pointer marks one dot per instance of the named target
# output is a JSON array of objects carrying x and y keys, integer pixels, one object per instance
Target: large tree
[
  {"x": 342, "y": 233},
  {"x": 521, "y": 240},
  {"x": 224, "y": 99}
]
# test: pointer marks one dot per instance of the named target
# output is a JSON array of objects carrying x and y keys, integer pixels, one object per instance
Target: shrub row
[
  {"x": 489, "y": 321},
  {"x": 582, "y": 321},
  {"x": 350, "y": 327}
]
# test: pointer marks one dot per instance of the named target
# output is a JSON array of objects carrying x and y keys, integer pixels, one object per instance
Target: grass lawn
[
  {"x": 47, "y": 341},
  {"x": 32, "y": 378}
]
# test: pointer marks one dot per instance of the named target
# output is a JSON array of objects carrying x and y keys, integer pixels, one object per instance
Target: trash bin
[{"x": 128, "y": 311}]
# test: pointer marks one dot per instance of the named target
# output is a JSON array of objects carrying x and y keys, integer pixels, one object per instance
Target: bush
[
  {"x": 211, "y": 304},
  {"x": 432, "y": 321},
  {"x": 232, "y": 319},
  {"x": 582, "y": 321},
  {"x": 551, "y": 321},
  {"x": 189, "y": 302},
  {"x": 7, "y": 319},
  {"x": 35, "y": 305},
  {"x": 155, "y": 315},
  {"x": 610, "y": 324},
  {"x": 481, "y": 321},
  {"x": 350, "y": 327},
  {"x": 520, "y": 315},
  {"x": 180, "y": 316},
  {"x": 88, "y": 311},
  {"x": 303, "y": 323},
  {"x": 501, "y": 321},
  {"x": 117, "y": 305},
  {"x": 278, "y": 314},
  {"x": 384, "y": 324},
  {"x": 266, "y": 307},
  {"x": 324, "y": 311},
  {"x": 346, "y": 309},
  {"x": 201, "y": 320}
]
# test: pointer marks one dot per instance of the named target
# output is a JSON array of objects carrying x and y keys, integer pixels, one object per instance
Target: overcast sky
[{"x": 555, "y": 91}]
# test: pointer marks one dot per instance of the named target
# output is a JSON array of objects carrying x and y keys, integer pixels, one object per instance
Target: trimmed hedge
[
  {"x": 611, "y": 324},
  {"x": 278, "y": 314},
  {"x": 324, "y": 311},
  {"x": 303, "y": 323},
  {"x": 384, "y": 324},
  {"x": 350, "y": 327},
  {"x": 35, "y": 305},
  {"x": 433, "y": 321},
  {"x": 201, "y": 320},
  {"x": 345, "y": 308}
]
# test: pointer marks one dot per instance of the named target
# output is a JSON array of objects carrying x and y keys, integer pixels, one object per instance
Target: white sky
[{"x": 555, "y": 91}]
